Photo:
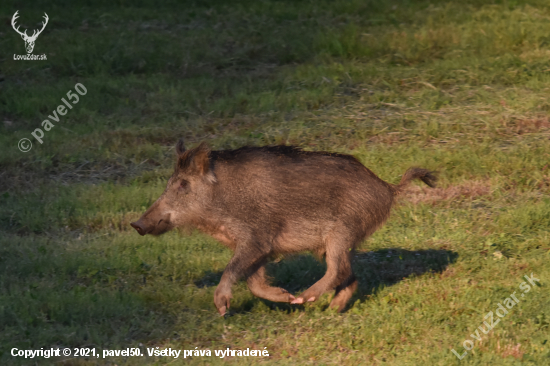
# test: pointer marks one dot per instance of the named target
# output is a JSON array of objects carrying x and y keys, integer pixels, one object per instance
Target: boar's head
[{"x": 187, "y": 194}]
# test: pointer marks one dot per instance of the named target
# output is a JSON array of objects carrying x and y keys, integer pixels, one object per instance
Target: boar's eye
[{"x": 184, "y": 185}]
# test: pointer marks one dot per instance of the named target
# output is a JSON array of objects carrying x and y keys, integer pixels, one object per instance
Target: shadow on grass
[{"x": 373, "y": 269}]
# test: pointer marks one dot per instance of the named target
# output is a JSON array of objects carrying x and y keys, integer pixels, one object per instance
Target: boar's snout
[
  {"x": 155, "y": 221},
  {"x": 140, "y": 228},
  {"x": 152, "y": 225}
]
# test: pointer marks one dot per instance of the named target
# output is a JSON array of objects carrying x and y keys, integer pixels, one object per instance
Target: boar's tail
[{"x": 424, "y": 175}]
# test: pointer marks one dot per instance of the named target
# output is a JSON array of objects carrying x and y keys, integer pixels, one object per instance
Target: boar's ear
[
  {"x": 202, "y": 158},
  {"x": 196, "y": 160},
  {"x": 180, "y": 147}
]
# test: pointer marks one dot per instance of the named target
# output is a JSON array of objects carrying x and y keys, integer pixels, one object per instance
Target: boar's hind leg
[
  {"x": 244, "y": 261},
  {"x": 343, "y": 293},
  {"x": 338, "y": 271},
  {"x": 259, "y": 286}
]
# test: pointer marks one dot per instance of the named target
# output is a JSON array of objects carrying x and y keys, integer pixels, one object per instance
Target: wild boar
[{"x": 276, "y": 200}]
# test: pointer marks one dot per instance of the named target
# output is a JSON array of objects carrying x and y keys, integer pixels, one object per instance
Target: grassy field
[{"x": 460, "y": 87}]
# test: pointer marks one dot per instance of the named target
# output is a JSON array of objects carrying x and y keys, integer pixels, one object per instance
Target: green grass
[{"x": 458, "y": 87}]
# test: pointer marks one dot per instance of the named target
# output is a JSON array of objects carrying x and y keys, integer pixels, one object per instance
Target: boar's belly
[{"x": 300, "y": 237}]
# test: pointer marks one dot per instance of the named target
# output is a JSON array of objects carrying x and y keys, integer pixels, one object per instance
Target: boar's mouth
[{"x": 143, "y": 228}]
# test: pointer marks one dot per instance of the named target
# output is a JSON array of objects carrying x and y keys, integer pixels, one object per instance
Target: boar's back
[{"x": 285, "y": 180}]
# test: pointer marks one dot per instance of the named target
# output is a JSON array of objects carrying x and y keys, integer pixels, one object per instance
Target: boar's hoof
[
  {"x": 300, "y": 300},
  {"x": 222, "y": 302}
]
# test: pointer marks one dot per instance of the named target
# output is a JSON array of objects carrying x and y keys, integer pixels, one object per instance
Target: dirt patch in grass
[
  {"x": 510, "y": 350},
  {"x": 468, "y": 190},
  {"x": 520, "y": 126}
]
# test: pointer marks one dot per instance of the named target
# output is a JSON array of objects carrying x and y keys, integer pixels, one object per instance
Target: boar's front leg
[
  {"x": 259, "y": 287},
  {"x": 246, "y": 260}
]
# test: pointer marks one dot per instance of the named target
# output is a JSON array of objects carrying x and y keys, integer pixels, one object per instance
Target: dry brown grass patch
[
  {"x": 469, "y": 190},
  {"x": 510, "y": 350},
  {"x": 520, "y": 126}
]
